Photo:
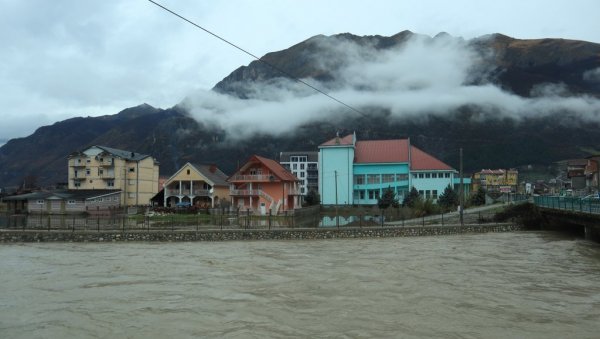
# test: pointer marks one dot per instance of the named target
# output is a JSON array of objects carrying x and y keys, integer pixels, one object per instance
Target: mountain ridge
[{"x": 173, "y": 137}]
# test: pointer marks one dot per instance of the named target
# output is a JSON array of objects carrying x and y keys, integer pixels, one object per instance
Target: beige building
[
  {"x": 196, "y": 185},
  {"x": 100, "y": 167},
  {"x": 498, "y": 180}
]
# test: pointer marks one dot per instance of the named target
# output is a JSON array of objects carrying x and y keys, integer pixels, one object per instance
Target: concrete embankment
[{"x": 236, "y": 235}]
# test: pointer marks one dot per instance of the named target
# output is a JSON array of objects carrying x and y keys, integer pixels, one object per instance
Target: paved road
[{"x": 470, "y": 215}]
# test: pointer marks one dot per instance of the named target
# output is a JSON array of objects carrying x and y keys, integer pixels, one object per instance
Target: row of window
[
  {"x": 361, "y": 179},
  {"x": 428, "y": 194},
  {"x": 298, "y": 159},
  {"x": 376, "y": 193},
  {"x": 431, "y": 175},
  {"x": 73, "y": 202}
]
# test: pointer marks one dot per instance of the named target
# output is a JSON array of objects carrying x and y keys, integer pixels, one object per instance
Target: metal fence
[{"x": 584, "y": 205}]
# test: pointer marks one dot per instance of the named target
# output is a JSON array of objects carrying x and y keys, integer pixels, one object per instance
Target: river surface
[{"x": 494, "y": 285}]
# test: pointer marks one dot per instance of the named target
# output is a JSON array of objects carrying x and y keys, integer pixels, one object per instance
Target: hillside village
[{"x": 343, "y": 170}]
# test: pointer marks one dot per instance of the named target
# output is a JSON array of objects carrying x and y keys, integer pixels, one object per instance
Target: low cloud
[{"x": 424, "y": 76}]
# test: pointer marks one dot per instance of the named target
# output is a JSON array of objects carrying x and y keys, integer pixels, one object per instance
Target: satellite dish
[{"x": 211, "y": 190}]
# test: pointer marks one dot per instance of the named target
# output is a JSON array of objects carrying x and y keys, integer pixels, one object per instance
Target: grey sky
[{"x": 67, "y": 58}]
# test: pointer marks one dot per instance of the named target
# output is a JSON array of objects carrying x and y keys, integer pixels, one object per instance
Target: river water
[{"x": 502, "y": 285}]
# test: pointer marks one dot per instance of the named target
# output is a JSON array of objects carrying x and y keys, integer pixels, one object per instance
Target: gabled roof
[
  {"x": 274, "y": 167},
  {"x": 381, "y": 151},
  {"x": 212, "y": 173},
  {"x": 64, "y": 195},
  {"x": 421, "y": 161},
  {"x": 337, "y": 141},
  {"x": 396, "y": 151},
  {"x": 128, "y": 155}
]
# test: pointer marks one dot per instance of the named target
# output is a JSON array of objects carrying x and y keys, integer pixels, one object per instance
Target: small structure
[
  {"x": 66, "y": 201},
  {"x": 196, "y": 185},
  {"x": 263, "y": 185}
]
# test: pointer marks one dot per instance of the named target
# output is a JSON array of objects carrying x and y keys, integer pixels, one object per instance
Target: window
[
  {"x": 302, "y": 159},
  {"x": 387, "y": 178},
  {"x": 75, "y": 172},
  {"x": 100, "y": 171},
  {"x": 40, "y": 202},
  {"x": 87, "y": 161},
  {"x": 110, "y": 183},
  {"x": 373, "y": 194},
  {"x": 302, "y": 174},
  {"x": 301, "y": 166},
  {"x": 447, "y": 175},
  {"x": 77, "y": 184},
  {"x": 100, "y": 199},
  {"x": 115, "y": 198},
  {"x": 188, "y": 171},
  {"x": 87, "y": 171},
  {"x": 131, "y": 169},
  {"x": 131, "y": 182},
  {"x": 427, "y": 175},
  {"x": 294, "y": 166},
  {"x": 359, "y": 179},
  {"x": 131, "y": 194},
  {"x": 421, "y": 193},
  {"x": 414, "y": 175},
  {"x": 427, "y": 194},
  {"x": 373, "y": 179},
  {"x": 421, "y": 175},
  {"x": 70, "y": 202},
  {"x": 434, "y": 175},
  {"x": 401, "y": 177},
  {"x": 434, "y": 194}
]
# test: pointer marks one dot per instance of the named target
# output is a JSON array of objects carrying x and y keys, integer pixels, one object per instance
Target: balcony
[
  {"x": 251, "y": 193},
  {"x": 106, "y": 163},
  {"x": 253, "y": 177},
  {"x": 175, "y": 191},
  {"x": 77, "y": 164}
]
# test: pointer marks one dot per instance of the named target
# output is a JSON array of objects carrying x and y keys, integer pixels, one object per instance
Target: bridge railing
[{"x": 584, "y": 205}]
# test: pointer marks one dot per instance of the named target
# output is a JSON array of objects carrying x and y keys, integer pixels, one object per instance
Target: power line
[{"x": 259, "y": 59}]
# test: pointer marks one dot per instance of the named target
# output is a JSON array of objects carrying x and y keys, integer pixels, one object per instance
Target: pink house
[{"x": 263, "y": 185}]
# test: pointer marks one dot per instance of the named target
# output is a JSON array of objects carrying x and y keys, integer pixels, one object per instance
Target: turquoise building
[{"x": 357, "y": 172}]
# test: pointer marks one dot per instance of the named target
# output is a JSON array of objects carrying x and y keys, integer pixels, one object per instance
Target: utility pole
[
  {"x": 337, "y": 219},
  {"x": 461, "y": 190}
]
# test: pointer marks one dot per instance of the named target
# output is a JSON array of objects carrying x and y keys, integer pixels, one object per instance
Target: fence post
[
  {"x": 269, "y": 219},
  {"x": 247, "y": 218}
]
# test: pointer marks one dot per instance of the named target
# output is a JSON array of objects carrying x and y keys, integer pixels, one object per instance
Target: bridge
[{"x": 573, "y": 214}]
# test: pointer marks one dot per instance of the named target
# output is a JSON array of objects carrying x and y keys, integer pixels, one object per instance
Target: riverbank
[{"x": 21, "y": 236}]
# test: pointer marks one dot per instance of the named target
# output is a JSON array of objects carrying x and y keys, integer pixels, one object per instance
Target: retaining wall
[{"x": 228, "y": 235}]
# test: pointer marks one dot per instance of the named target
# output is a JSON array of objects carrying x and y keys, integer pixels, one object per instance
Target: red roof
[
  {"x": 376, "y": 151},
  {"x": 279, "y": 171},
  {"x": 337, "y": 141},
  {"x": 423, "y": 161},
  {"x": 394, "y": 151}
]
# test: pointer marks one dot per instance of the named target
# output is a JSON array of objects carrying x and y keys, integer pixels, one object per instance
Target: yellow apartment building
[
  {"x": 101, "y": 168},
  {"x": 498, "y": 180}
]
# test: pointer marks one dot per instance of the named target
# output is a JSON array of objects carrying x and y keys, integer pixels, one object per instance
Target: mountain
[{"x": 490, "y": 138}]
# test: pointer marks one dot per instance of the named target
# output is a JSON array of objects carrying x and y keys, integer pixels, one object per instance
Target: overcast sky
[{"x": 69, "y": 58}]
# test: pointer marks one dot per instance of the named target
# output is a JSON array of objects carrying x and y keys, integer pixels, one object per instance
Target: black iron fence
[{"x": 577, "y": 204}]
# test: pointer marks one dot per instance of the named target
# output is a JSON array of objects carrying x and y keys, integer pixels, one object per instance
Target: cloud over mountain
[{"x": 417, "y": 75}]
